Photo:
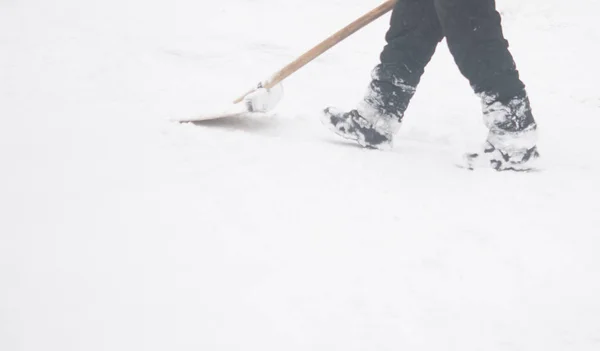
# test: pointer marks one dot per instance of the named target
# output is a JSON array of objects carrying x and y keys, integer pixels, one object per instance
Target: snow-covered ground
[{"x": 121, "y": 230}]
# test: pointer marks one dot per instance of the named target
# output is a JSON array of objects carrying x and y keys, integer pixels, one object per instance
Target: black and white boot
[
  {"x": 369, "y": 130},
  {"x": 524, "y": 161},
  {"x": 512, "y": 138},
  {"x": 377, "y": 117}
]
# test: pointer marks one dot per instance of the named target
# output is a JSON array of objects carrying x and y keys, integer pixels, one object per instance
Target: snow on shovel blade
[
  {"x": 235, "y": 110},
  {"x": 257, "y": 101}
]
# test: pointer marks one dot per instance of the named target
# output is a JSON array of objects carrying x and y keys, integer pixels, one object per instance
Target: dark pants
[{"x": 473, "y": 31}]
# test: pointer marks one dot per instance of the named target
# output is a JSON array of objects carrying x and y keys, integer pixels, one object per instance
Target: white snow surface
[{"x": 121, "y": 230}]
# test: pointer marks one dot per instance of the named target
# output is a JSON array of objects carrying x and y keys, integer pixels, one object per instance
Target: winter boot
[
  {"x": 512, "y": 138},
  {"x": 378, "y": 116},
  {"x": 370, "y": 130}
]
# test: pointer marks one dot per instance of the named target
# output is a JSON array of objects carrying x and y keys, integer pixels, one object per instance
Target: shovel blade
[
  {"x": 236, "y": 110},
  {"x": 258, "y": 100}
]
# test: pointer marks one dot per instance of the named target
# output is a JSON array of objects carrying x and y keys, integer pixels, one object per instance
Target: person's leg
[
  {"x": 412, "y": 38},
  {"x": 474, "y": 34},
  {"x": 411, "y": 41}
]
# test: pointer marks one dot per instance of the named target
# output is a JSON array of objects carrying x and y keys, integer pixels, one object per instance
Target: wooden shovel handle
[{"x": 324, "y": 46}]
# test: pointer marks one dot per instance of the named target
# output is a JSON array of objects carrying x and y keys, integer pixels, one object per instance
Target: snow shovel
[{"x": 268, "y": 93}]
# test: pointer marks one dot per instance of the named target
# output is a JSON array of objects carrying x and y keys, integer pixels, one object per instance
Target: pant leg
[
  {"x": 411, "y": 40},
  {"x": 473, "y": 30}
]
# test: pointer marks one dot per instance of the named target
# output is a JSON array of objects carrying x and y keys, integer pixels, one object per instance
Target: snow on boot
[
  {"x": 369, "y": 130},
  {"x": 512, "y": 138},
  {"x": 378, "y": 116},
  {"x": 523, "y": 161}
]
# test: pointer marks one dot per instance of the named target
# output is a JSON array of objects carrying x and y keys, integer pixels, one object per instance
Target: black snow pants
[{"x": 473, "y": 31}]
